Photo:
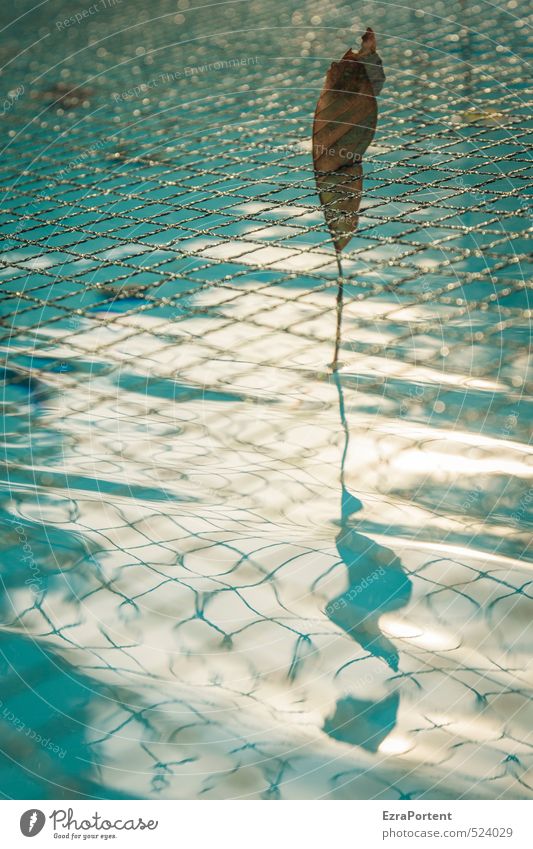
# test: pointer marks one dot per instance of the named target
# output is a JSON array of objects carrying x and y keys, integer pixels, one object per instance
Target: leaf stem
[
  {"x": 340, "y": 300},
  {"x": 336, "y": 379}
]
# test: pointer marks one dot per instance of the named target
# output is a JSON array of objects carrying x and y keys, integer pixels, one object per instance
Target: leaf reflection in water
[{"x": 377, "y": 584}]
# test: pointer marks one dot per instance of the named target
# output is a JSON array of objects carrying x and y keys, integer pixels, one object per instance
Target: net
[{"x": 231, "y": 570}]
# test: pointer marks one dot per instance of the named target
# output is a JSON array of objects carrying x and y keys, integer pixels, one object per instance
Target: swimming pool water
[{"x": 229, "y": 569}]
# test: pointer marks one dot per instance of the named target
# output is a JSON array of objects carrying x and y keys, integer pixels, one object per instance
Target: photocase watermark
[
  {"x": 33, "y": 581},
  {"x": 12, "y": 97},
  {"x": 471, "y": 498},
  {"x": 299, "y": 146},
  {"x": 65, "y": 819},
  {"x": 78, "y": 17},
  {"x": 30, "y": 733},
  {"x": 65, "y": 824},
  {"x": 344, "y": 152},
  {"x": 416, "y": 393},
  {"x": 348, "y": 597},
  {"x": 190, "y": 71},
  {"x": 32, "y": 822},
  {"x": 222, "y": 65},
  {"x": 142, "y": 88},
  {"x": 510, "y": 423},
  {"x": 78, "y": 160},
  {"x": 523, "y": 505}
]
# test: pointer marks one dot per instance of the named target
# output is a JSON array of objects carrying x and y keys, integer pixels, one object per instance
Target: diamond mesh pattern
[{"x": 248, "y": 574}]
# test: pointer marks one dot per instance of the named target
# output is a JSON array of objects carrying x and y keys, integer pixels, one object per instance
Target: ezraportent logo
[{"x": 32, "y": 822}]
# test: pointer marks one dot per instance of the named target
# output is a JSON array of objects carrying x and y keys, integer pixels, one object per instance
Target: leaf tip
[{"x": 368, "y": 41}]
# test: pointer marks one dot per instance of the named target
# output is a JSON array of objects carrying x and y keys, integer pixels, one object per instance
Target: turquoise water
[{"x": 231, "y": 570}]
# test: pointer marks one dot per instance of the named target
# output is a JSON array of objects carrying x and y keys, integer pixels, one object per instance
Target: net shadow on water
[{"x": 232, "y": 568}]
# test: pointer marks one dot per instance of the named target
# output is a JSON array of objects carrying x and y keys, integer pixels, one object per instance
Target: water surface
[{"x": 230, "y": 569}]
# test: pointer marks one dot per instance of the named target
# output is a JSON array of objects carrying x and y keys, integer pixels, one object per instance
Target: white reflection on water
[{"x": 208, "y": 563}]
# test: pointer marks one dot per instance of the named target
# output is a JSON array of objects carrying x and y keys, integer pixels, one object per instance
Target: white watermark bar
[{"x": 264, "y": 825}]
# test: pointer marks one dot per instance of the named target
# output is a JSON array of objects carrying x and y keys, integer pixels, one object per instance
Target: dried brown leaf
[{"x": 344, "y": 125}]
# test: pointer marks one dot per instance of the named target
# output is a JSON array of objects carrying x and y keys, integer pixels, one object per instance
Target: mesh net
[{"x": 230, "y": 570}]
